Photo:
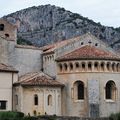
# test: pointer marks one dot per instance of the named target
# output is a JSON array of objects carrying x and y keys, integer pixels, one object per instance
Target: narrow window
[
  {"x": 60, "y": 67},
  {"x": 108, "y": 66},
  {"x": 1, "y": 27},
  {"x": 49, "y": 100},
  {"x": 77, "y": 65},
  {"x": 83, "y": 66},
  {"x": 3, "y": 104},
  {"x": 65, "y": 67},
  {"x": 96, "y": 66},
  {"x": 35, "y": 99},
  {"x": 80, "y": 91},
  {"x": 16, "y": 99},
  {"x": 110, "y": 90},
  {"x": 102, "y": 66},
  {"x": 71, "y": 66},
  {"x": 89, "y": 66}
]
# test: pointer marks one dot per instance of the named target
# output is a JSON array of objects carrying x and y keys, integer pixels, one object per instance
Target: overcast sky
[{"x": 107, "y": 12}]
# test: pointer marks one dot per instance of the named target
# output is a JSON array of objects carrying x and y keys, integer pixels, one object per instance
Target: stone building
[{"x": 75, "y": 77}]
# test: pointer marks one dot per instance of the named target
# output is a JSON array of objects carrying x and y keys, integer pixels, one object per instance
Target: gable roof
[
  {"x": 7, "y": 68},
  {"x": 89, "y": 52},
  {"x": 37, "y": 79},
  {"x": 51, "y": 48}
]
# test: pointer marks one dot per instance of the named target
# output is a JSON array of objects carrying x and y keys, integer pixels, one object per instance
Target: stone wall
[
  {"x": 25, "y": 60},
  {"x": 73, "y": 107},
  {"x": 26, "y": 100},
  {"x": 9, "y": 32},
  {"x": 49, "y": 65},
  {"x": 87, "y": 39}
]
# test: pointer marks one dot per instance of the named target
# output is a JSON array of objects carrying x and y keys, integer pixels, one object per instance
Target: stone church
[{"x": 75, "y": 77}]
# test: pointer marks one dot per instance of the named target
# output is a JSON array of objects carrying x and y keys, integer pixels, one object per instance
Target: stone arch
[
  {"x": 110, "y": 90},
  {"x": 50, "y": 57},
  {"x": 47, "y": 58},
  {"x": 78, "y": 87}
]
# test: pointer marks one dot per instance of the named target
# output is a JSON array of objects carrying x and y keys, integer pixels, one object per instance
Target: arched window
[
  {"x": 35, "y": 99},
  {"x": 96, "y": 66},
  {"x": 76, "y": 65},
  {"x": 102, "y": 66},
  {"x": 118, "y": 67},
  {"x": 108, "y": 66},
  {"x": 65, "y": 66},
  {"x": 1, "y": 27},
  {"x": 71, "y": 66},
  {"x": 60, "y": 67},
  {"x": 16, "y": 99},
  {"x": 49, "y": 100},
  {"x": 83, "y": 66},
  {"x": 110, "y": 90},
  {"x": 90, "y": 66},
  {"x": 79, "y": 90},
  {"x": 113, "y": 67}
]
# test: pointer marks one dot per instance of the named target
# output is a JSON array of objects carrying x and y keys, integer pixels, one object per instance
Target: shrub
[
  {"x": 114, "y": 116},
  {"x": 9, "y": 115}
]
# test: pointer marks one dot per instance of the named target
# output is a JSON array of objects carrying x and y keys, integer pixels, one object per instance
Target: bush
[
  {"x": 9, "y": 115},
  {"x": 115, "y": 116}
]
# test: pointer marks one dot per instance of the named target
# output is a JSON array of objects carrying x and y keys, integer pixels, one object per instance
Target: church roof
[
  {"x": 7, "y": 68},
  {"x": 37, "y": 79},
  {"x": 28, "y": 47},
  {"x": 51, "y": 48},
  {"x": 89, "y": 52}
]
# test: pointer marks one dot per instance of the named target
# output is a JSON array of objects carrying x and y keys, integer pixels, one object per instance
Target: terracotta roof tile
[
  {"x": 6, "y": 68},
  {"x": 89, "y": 52},
  {"x": 37, "y": 79}
]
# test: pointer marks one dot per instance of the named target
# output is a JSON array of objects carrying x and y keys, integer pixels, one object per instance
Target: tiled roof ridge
[
  {"x": 27, "y": 47},
  {"x": 8, "y": 68},
  {"x": 59, "y": 44},
  {"x": 38, "y": 78},
  {"x": 108, "y": 54},
  {"x": 25, "y": 79}
]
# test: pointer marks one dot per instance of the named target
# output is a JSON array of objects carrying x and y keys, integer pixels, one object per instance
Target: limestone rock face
[{"x": 47, "y": 24}]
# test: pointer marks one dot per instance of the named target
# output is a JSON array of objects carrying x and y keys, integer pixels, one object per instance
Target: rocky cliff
[{"x": 47, "y": 24}]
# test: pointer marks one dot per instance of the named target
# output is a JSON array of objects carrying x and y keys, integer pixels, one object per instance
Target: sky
[{"x": 107, "y": 12}]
